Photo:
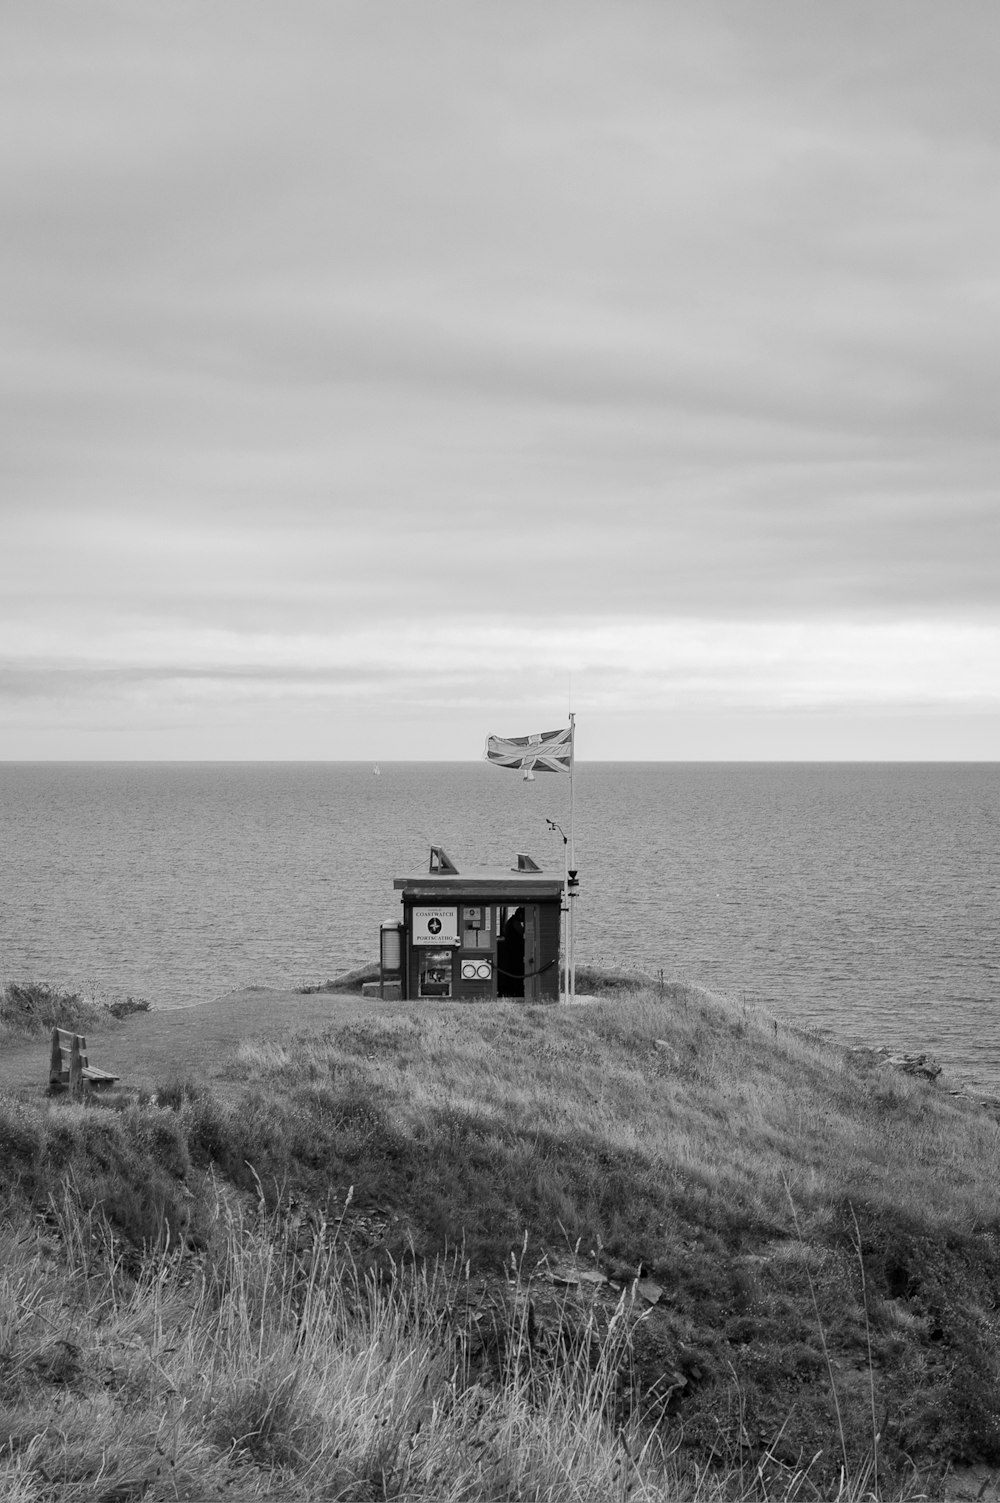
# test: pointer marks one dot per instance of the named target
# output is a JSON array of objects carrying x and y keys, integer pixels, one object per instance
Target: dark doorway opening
[{"x": 510, "y": 953}]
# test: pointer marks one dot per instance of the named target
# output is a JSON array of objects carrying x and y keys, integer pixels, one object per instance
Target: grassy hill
[{"x": 657, "y": 1246}]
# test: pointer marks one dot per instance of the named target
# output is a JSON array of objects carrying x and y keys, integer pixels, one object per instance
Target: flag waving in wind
[{"x": 548, "y": 751}]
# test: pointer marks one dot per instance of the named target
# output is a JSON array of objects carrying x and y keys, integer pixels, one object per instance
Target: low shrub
[
  {"x": 34, "y": 1007},
  {"x": 30, "y": 1008},
  {"x": 124, "y": 1007}
]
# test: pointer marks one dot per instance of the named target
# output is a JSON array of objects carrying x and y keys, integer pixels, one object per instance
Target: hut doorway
[{"x": 519, "y": 952}]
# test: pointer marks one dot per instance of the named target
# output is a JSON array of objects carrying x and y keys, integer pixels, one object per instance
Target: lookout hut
[{"x": 490, "y": 931}]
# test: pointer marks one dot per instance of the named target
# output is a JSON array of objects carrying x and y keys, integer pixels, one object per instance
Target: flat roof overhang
[{"x": 493, "y": 884}]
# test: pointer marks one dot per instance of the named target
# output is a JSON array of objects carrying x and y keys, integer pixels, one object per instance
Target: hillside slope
[{"x": 808, "y": 1243}]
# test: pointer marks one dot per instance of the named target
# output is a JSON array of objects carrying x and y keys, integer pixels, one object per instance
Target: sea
[{"x": 856, "y": 899}]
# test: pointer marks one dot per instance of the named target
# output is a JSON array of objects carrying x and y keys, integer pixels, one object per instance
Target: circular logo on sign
[{"x": 433, "y": 926}]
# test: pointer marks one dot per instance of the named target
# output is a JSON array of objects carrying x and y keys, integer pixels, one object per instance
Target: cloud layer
[{"x": 364, "y": 357}]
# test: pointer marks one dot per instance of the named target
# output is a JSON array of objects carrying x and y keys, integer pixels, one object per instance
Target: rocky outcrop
[
  {"x": 921, "y": 1065},
  {"x": 914, "y": 1064}
]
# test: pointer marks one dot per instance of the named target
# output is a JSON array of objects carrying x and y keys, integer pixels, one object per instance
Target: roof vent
[
  {"x": 525, "y": 863},
  {"x": 441, "y": 861}
]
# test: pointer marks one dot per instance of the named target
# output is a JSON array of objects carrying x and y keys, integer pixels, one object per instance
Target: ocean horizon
[{"x": 858, "y": 898}]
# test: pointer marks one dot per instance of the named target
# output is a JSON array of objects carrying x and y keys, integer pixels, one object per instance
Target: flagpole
[
  {"x": 571, "y": 916},
  {"x": 564, "y": 994},
  {"x": 563, "y": 913}
]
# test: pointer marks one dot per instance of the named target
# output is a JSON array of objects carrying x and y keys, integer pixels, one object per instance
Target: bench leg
[{"x": 75, "y": 1068}]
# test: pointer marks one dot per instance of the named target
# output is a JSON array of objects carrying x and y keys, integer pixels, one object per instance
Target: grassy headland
[{"x": 371, "y": 1266}]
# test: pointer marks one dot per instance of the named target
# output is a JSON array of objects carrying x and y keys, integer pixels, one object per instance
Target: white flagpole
[
  {"x": 564, "y": 993},
  {"x": 571, "y": 916},
  {"x": 563, "y": 914}
]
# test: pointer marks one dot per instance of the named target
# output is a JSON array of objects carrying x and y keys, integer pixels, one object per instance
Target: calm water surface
[{"x": 856, "y": 897}]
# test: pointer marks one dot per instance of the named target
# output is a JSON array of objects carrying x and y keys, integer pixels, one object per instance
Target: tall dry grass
[{"x": 271, "y": 1368}]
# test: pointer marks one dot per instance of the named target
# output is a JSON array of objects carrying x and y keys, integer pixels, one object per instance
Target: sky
[{"x": 377, "y": 376}]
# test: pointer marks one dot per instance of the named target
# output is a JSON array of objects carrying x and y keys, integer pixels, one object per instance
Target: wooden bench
[{"x": 69, "y": 1067}]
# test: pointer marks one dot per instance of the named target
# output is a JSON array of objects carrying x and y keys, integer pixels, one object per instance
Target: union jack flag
[{"x": 548, "y": 751}]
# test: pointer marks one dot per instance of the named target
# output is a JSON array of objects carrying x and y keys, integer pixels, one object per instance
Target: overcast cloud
[{"x": 376, "y": 376}]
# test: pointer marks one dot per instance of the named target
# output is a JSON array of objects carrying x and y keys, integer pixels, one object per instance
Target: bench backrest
[{"x": 68, "y": 1059}]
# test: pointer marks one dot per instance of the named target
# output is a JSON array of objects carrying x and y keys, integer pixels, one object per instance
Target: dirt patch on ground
[{"x": 149, "y": 1047}]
